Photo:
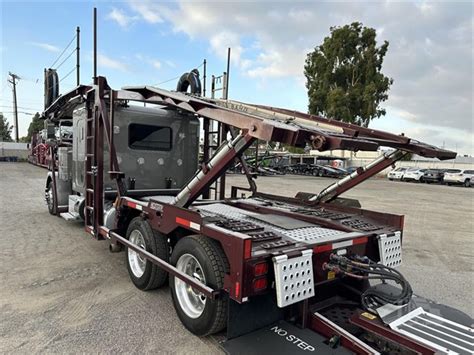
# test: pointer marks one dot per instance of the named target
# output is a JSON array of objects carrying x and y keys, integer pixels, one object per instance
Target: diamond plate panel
[
  {"x": 293, "y": 278},
  {"x": 390, "y": 249}
]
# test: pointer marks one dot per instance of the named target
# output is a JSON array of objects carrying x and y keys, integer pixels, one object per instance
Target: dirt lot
[{"x": 64, "y": 292}]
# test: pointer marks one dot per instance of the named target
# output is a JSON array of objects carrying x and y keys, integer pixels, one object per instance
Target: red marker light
[
  {"x": 260, "y": 269},
  {"x": 260, "y": 284}
]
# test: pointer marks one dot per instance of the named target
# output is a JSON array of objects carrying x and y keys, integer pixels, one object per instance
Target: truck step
[{"x": 439, "y": 333}]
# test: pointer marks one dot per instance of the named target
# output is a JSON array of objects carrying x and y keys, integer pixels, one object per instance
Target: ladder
[
  {"x": 215, "y": 133},
  {"x": 93, "y": 171},
  {"x": 99, "y": 120}
]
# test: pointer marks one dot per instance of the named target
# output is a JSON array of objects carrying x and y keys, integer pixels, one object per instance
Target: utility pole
[
  {"x": 204, "y": 86},
  {"x": 95, "y": 46},
  {"x": 12, "y": 81},
  {"x": 228, "y": 73},
  {"x": 78, "y": 48}
]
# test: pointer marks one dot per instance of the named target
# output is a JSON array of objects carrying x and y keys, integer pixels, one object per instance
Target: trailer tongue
[{"x": 268, "y": 269}]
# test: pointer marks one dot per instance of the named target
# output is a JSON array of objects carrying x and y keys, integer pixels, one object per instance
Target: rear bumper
[
  {"x": 454, "y": 182},
  {"x": 411, "y": 178},
  {"x": 432, "y": 179}
]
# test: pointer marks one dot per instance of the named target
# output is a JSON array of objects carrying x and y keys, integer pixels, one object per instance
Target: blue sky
[{"x": 148, "y": 42}]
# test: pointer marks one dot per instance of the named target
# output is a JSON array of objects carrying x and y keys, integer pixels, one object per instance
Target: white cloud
[
  {"x": 170, "y": 63},
  {"x": 144, "y": 10},
  {"x": 46, "y": 46},
  {"x": 430, "y": 53},
  {"x": 121, "y": 18},
  {"x": 155, "y": 63},
  {"x": 225, "y": 39},
  {"x": 107, "y": 62}
]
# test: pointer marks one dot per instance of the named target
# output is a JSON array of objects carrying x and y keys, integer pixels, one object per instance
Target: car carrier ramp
[{"x": 439, "y": 333}]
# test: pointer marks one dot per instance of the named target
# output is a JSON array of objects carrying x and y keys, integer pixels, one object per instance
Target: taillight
[
  {"x": 260, "y": 284},
  {"x": 260, "y": 269},
  {"x": 247, "y": 248}
]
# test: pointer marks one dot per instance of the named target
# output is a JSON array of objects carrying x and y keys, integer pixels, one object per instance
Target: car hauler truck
[{"x": 316, "y": 262}]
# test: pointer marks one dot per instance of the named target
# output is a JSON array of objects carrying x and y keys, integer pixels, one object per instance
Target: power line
[
  {"x": 33, "y": 102},
  {"x": 64, "y": 50},
  {"x": 64, "y": 77},
  {"x": 179, "y": 76},
  {"x": 166, "y": 81},
  {"x": 22, "y": 107},
  {"x": 69, "y": 56},
  {"x": 22, "y": 112}
]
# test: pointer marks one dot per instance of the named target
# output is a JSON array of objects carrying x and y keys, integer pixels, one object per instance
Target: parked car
[
  {"x": 299, "y": 169},
  {"x": 459, "y": 177},
  {"x": 396, "y": 174},
  {"x": 326, "y": 171},
  {"x": 433, "y": 176},
  {"x": 413, "y": 174},
  {"x": 342, "y": 172},
  {"x": 351, "y": 169}
]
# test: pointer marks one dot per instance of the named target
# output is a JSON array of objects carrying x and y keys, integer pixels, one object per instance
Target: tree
[
  {"x": 5, "y": 129},
  {"x": 344, "y": 78},
  {"x": 36, "y": 125}
]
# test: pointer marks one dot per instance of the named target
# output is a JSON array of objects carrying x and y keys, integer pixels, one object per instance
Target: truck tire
[
  {"x": 204, "y": 259},
  {"x": 144, "y": 274},
  {"x": 50, "y": 198}
]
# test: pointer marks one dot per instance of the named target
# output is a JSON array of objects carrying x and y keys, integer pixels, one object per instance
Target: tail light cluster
[{"x": 260, "y": 273}]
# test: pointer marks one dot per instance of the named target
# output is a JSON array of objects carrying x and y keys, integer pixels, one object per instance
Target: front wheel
[
  {"x": 467, "y": 183},
  {"x": 144, "y": 274},
  {"x": 50, "y": 198},
  {"x": 204, "y": 260}
]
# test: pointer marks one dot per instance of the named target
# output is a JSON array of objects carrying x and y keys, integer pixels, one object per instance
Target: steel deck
[{"x": 310, "y": 234}]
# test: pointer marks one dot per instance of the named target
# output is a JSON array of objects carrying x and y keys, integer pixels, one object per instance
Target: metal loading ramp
[{"x": 439, "y": 333}]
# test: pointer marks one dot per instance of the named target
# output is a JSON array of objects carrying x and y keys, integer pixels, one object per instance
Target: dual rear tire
[
  {"x": 203, "y": 259},
  {"x": 197, "y": 256},
  {"x": 144, "y": 274}
]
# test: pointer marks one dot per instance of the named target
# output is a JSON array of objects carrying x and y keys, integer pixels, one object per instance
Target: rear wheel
[
  {"x": 144, "y": 274},
  {"x": 467, "y": 183},
  {"x": 204, "y": 260}
]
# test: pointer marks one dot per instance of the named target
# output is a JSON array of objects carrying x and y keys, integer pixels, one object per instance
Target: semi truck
[{"x": 315, "y": 272}]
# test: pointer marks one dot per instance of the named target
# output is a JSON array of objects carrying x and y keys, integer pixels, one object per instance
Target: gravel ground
[{"x": 64, "y": 292}]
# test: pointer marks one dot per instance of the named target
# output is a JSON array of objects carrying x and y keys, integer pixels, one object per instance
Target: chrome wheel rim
[
  {"x": 50, "y": 197},
  {"x": 137, "y": 263},
  {"x": 192, "y": 302}
]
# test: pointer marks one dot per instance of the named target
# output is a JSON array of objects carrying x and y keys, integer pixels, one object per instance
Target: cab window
[{"x": 148, "y": 137}]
